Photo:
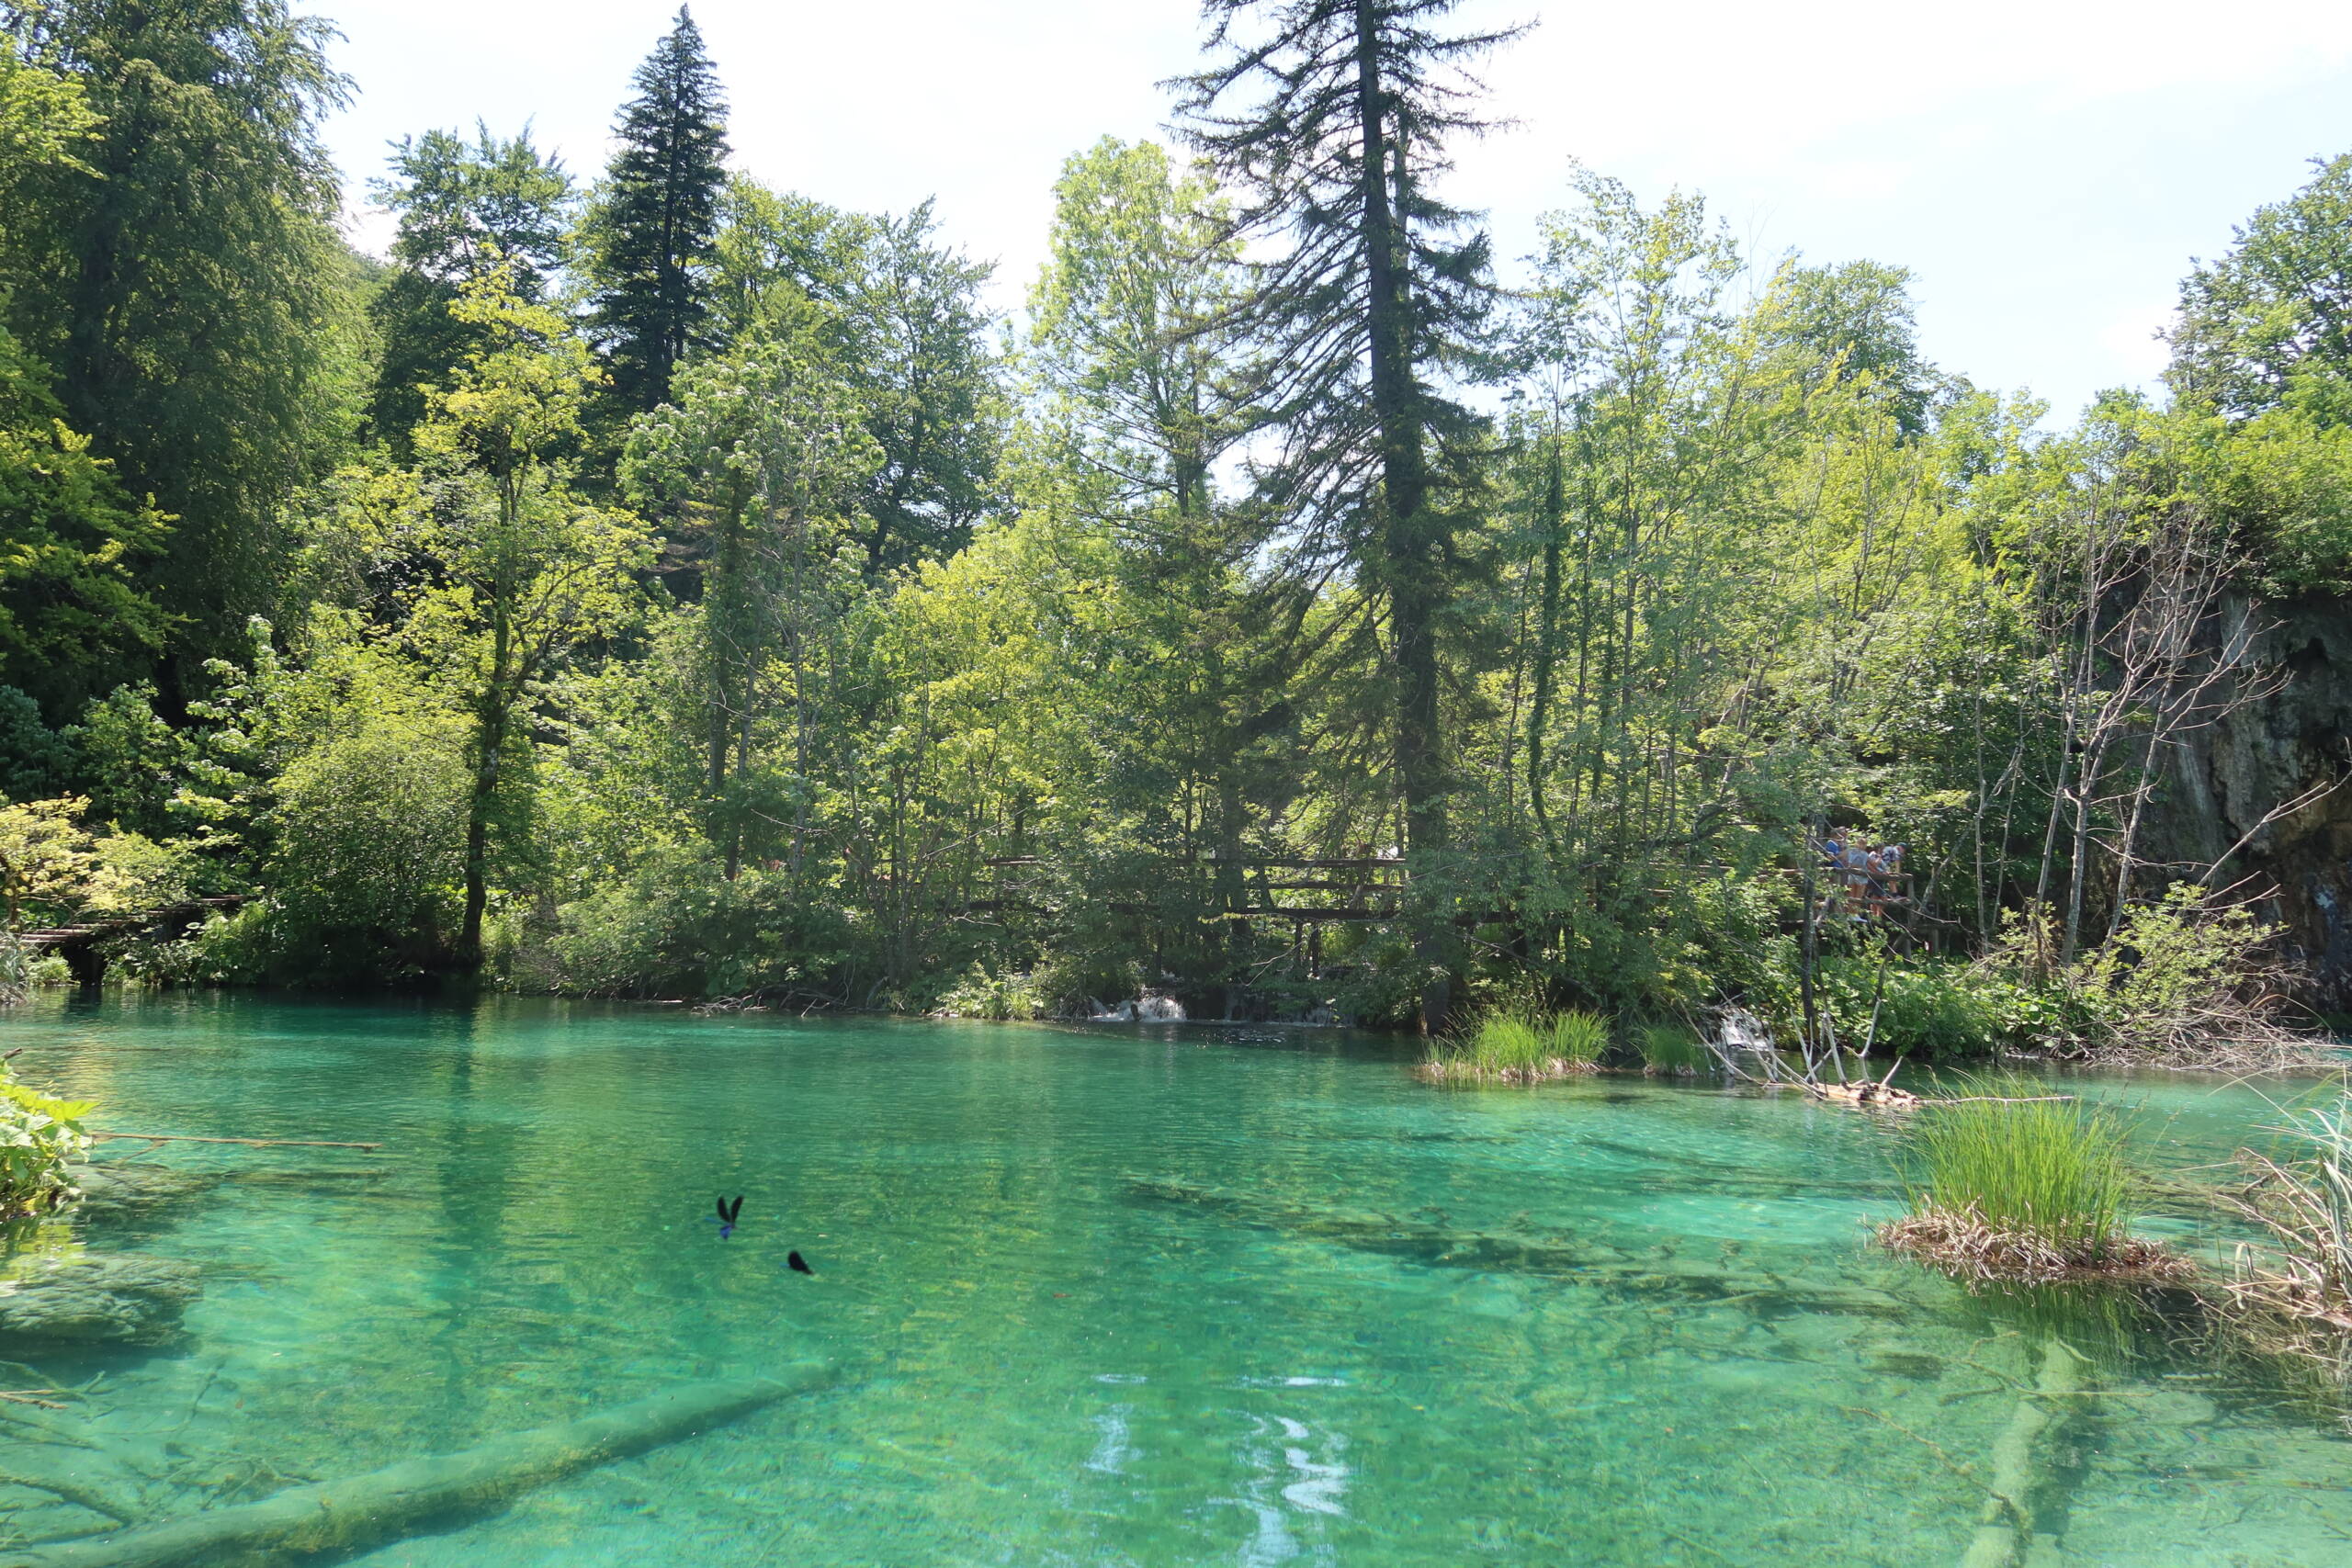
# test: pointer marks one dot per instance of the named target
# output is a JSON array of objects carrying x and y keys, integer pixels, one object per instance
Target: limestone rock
[{"x": 90, "y": 1298}]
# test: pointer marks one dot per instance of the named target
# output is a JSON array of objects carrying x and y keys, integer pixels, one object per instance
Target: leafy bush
[
  {"x": 38, "y": 1138},
  {"x": 1936, "y": 1010},
  {"x": 2185, "y": 976},
  {"x": 1000, "y": 999},
  {"x": 679, "y": 929},
  {"x": 369, "y": 840}
]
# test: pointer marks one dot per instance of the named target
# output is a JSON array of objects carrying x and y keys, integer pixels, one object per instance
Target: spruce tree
[
  {"x": 651, "y": 234},
  {"x": 1331, "y": 118}
]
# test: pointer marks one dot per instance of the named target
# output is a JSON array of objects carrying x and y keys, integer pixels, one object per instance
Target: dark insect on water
[
  {"x": 799, "y": 1264},
  {"x": 726, "y": 1213}
]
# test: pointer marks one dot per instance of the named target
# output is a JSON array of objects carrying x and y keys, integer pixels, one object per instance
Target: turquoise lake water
[{"x": 1040, "y": 1363}]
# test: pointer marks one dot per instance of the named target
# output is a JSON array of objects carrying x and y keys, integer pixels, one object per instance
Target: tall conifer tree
[
  {"x": 652, "y": 235},
  {"x": 1373, "y": 295}
]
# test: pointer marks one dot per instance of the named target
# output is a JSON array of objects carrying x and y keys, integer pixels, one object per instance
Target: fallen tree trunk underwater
[
  {"x": 1508, "y": 1252},
  {"x": 2023, "y": 1477},
  {"x": 368, "y": 1510}
]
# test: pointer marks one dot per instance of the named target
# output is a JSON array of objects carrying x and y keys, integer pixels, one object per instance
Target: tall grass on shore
[
  {"x": 2304, "y": 1200},
  {"x": 1671, "y": 1049},
  {"x": 1521, "y": 1046},
  {"x": 2011, "y": 1184}
]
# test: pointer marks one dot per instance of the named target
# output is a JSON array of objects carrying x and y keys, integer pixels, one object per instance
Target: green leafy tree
[
  {"x": 517, "y": 571},
  {"x": 184, "y": 278},
  {"x": 764, "y": 444},
  {"x": 75, "y": 613},
  {"x": 463, "y": 209},
  {"x": 654, "y": 220},
  {"x": 2276, "y": 310}
]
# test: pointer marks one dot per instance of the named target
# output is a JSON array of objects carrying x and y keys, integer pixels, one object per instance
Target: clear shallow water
[{"x": 1041, "y": 1368}]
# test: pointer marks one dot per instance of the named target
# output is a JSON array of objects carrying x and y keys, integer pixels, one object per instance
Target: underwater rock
[
  {"x": 92, "y": 1299},
  {"x": 120, "y": 1188}
]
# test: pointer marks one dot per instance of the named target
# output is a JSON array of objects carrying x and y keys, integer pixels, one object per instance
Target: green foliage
[
  {"x": 39, "y": 1137},
  {"x": 464, "y": 211},
  {"x": 2184, "y": 969},
  {"x": 1673, "y": 1049},
  {"x": 47, "y": 862},
  {"x": 2050, "y": 1170},
  {"x": 1934, "y": 1010},
  {"x": 128, "y": 761},
  {"x": 2272, "y": 319},
  {"x": 679, "y": 929},
  {"x": 181, "y": 275},
  {"x": 77, "y": 612},
  {"x": 34, "y": 760},
  {"x": 368, "y": 853},
  {"x": 997, "y": 997}
]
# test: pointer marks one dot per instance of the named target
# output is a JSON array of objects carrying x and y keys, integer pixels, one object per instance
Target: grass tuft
[
  {"x": 1518, "y": 1046},
  {"x": 2018, "y": 1185},
  {"x": 1671, "y": 1049},
  {"x": 2305, "y": 1202}
]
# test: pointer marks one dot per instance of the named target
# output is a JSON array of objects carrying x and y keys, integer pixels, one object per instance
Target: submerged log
[
  {"x": 2007, "y": 1529},
  {"x": 95, "y": 1298},
  {"x": 1439, "y": 1246},
  {"x": 368, "y": 1510}
]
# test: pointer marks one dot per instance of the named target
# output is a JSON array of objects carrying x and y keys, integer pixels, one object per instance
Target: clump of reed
[
  {"x": 1523, "y": 1046},
  {"x": 1672, "y": 1050},
  {"x": 2020, "y": 1186},
  {"x": 2305, "y": 1202}
]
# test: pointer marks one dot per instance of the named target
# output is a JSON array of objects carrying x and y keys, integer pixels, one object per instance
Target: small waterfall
[
  {"x": 1739, "y": 1030},
  {"x": 1150, "y": 1007}
]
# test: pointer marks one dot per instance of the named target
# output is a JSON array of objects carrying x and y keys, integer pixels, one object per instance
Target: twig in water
[
  {"x": 1965, "y": 1472},
  {"x": 32, "y": 1396}
]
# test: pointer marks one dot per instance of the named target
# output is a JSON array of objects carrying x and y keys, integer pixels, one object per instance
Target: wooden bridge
[{"x": 80, "y": 945}]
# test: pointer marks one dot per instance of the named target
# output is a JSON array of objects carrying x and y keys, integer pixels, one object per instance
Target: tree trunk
[{"x": 1407, "y": 563}]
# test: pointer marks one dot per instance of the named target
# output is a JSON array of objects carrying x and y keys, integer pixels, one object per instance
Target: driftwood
[
  {"x": 367, "y": 1510},
  {"x": 245, "y": 1143},
  {"x": 2005, "y": 1533},
  {"x": 1439, "y": 1246}
]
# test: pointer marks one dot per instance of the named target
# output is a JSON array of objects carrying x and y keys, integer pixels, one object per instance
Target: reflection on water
[{"x": 1040, "y": 1367}]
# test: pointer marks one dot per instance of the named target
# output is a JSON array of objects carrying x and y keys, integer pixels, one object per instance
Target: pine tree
[
  {"x": 1369, "y": 301},
  {"x": 651, "y": 234}
]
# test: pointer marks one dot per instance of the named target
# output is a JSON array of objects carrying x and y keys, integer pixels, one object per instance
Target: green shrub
[
  {"x": 1936, "y": 1010},
  {"x": 679, "y": 929},
  {"x": 1000, "y": 999},
  {"x": 2052, "y": 1171},
  {"x": 38, "y": 1138}
]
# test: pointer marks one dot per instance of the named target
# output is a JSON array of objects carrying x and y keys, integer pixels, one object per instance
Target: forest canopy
[{"x": 648, "y": 581}]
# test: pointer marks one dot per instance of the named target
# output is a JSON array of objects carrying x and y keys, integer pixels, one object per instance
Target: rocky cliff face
[{"x": 2229, "y": 777}]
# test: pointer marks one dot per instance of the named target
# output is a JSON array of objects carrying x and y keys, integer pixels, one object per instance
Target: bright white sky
[{"x": 2046, "y": 168}]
